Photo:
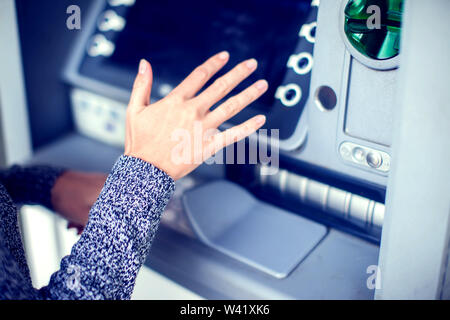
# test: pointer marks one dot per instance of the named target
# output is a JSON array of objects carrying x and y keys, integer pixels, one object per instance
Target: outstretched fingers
[
  {"x": 235, "y": 104},
  {"x": 234, "y": 134},
  {"x": 223, "y": 85},
  {"x": 189, "y": 87}
]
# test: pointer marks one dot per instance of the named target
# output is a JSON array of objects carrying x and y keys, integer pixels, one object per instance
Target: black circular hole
[
  {"x": 303, "y": 62},
  {"x": 325, "y": 98},
  {"x": 312, "y": 32},
  {"x": 290, "y": 94}
]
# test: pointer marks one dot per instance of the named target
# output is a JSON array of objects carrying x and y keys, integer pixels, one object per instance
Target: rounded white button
[
  {"x": 111, "y": 21},
  {"x": 301, "y": 63},
  {"x": 345, "y": 151},
  {"x": 289, "y": 94},
  {"x": 100, "y": 46},
  {"x": 308, "y": 31},
  {"x": 116, "y": 3},
  {"x": 374, "y": 159},
  {"x": 359, "y": 154}
]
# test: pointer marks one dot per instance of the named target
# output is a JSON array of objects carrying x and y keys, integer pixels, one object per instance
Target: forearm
[{"x": 122, "y": 223}]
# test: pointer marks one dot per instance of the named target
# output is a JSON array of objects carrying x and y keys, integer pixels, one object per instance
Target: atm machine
[{"x": 307, "y": 225}]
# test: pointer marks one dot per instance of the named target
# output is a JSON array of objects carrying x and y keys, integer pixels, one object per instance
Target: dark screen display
[{"x": 176, "y": 36}]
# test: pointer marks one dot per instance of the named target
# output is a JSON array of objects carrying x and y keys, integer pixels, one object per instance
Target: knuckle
[
  {"x": 215, "y": 63},
  {"x": 131, "y": 113},
  {"x": 248, "y": 127},
  {"x": 240, "y": 100},
  {"x": 242, "y": 68},
  {"x": 253, "y": 94},
  {"x": 235, "y": 133},
  {"x": 138, "y": 84},
  {"x": 198, "y": 114},
  {"x": 247, "y": 96},
  {"x": 239, "y": 134},
  {"x": 202, "y": 71},
  {"x": 231, "y": 106},
  {"x": 174, "y": 99},
  {"x": 222, "y": 85}
]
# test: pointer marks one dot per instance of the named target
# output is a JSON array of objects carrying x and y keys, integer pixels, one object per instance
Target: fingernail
[
  {"x": 261, "y": 85},
  {"x": 251, "y": 64},
  {"x": 142, "y": 66},
  {"x": 260, "y": 119},
  {"x": 224, "y": 55}
]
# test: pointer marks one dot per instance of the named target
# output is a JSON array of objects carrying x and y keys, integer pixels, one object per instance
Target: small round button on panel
[
  {"x": 374, "y": 159},
  {"x": 111, "y": 21},
  {"x": 301, "y": 63},
  {"x": 289, "y": 94},
  {"x": 365, "y": 156},
  {"x": 100, "y": 46},
  {"x": 345, "y": 151},
  {"x": 358, "y": 154},
  {"x": 308, "y": 31}
]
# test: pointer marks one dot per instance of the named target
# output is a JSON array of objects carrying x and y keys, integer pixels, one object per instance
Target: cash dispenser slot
[{"x": 239, "y": 225}]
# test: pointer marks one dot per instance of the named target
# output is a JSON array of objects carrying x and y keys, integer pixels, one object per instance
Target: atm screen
[{"x": 176, "y": 36}]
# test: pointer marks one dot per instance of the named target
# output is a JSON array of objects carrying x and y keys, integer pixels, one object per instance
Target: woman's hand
[
  {"x": 73, "y": 195},
  {"x": 153, "y": 131}
]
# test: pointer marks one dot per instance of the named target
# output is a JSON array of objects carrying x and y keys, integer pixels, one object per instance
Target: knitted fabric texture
[{"x": 105, "y": 261}]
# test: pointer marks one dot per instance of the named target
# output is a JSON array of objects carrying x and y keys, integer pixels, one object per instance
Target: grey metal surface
[
  {"x": 445, "y": 292},
  {"x": 15, "y": 140},
  {"x": 346, "y": 205},
  {"x": 71, "y": 73},
  {"x": 369, "y": 113},
  {"x": 415, "y": 240},
  {"x": 79, "y": 153},
  {"x": 46, "y": 43},
  {"x": 336, "y": 269},
  {"x": 368, "y": 124},
  {"x": 231, "y": 220}
]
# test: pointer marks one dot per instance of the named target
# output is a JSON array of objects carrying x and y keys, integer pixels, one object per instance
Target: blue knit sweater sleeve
[
  {"x": 31, "y": 185},
  {"x": 105, "y": 261}
]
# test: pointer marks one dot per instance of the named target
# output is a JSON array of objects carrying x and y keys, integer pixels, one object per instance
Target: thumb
[{"x": 140, "y": 96}]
